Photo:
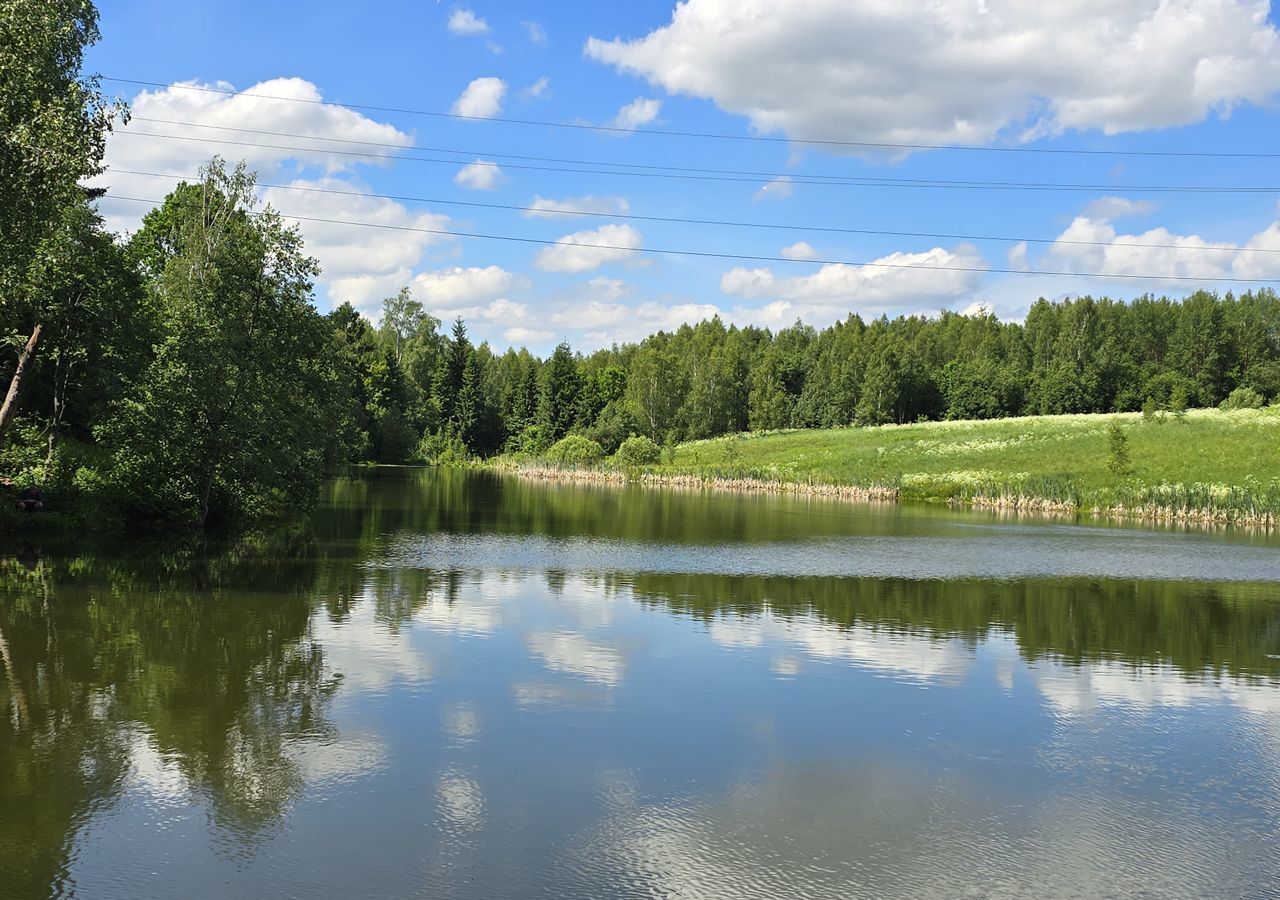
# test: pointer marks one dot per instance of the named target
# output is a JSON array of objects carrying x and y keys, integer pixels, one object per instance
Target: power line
[
  {"x": 552, "y": 159},
  {"x": 707, "y": 254},
  {"x": 842, "y": 181},
  {"x": 868, "y": 145},
  {"x": 807, "y": 176},
  {"x": 716, "y": 222}
]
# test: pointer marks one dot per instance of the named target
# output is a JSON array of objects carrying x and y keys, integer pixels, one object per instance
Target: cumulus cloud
[
  {"x": 545, "y": 208},
  {"x": 537, "y": 34},
  {"x": 450, "y": 289},
  {"x": 518, "y": 334},
  {"x": 780, "y": 188},
  {"x": 481, "y": 175},
  {"x": 1097, "y": 247},
  {"x": 899, "y": 280},
  {"x": 359, "y": 264},
  {"x": 800, "y": 250},
  {"x": 601, "y": 288},
  {"x": 538, "y": 89},
  {"x": 1118, "y": 208},
  {"x": 958, "y": 71},
  {"x": 187, "y": 147},
  {"x": 606, "y": 321},
  {"x": 583, "y": 251},
  {"x": 640, "y": 111},
  {"x": 482, "y": 98},
  {"x": 464, "y": 21},
  {"x": 1018, "y": 257}
]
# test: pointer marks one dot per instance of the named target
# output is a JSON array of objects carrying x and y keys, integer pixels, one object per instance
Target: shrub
[
  {"x": 1244, "y": 398},
  {"x": 443, "y": 449},
  {"x": 1151, "y": 412},
  {"x": 531, "y": 441},
  {"x": 1117, "y": 451},
  {"x": 638, "y": 450},
  {"x": 575, "y": 449}
]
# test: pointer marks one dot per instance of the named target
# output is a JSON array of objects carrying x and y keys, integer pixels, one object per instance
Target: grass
[{"x": 1208, "y": 465}]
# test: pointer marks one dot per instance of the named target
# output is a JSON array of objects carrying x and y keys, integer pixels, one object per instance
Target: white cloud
[
  {"x": 361, "y": 265},
  {"x": 481, "y": 175},
  {"x": 899, "y": 280},
  {"x": 538, "y": 89},
  {"x": 178, "y": 157},
  {"x": 1100, "y": 248},
  {"x": 573, "y": 654},
  {"x": 464, "y": 21},
  {"x": 482, "y": 98},
  {"x": 1118, "y": 208},
  {"x": 537, "y": 34},
  {"x": 780, "y": 188},
  {"x": 456, "y": 287},
  {"x": 520, "y": 335},
  {"x": 800, "y": 250},
  {"x": 605, "y": 321},
  {"x": 1018, "y": 257},
  {"x": 583, "y": 251},
  {"x": 640, "y": 111},
  {"x": 545, "y": 208},
  {"x": 960, "y": 71},
  {"x": 601, "y": 288}
]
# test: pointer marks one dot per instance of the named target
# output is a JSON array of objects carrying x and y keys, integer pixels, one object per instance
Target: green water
[{"x": 458, "y": 685}]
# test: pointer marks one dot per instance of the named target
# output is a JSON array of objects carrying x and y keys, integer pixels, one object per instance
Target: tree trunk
[{"x": 15, "y": 385}]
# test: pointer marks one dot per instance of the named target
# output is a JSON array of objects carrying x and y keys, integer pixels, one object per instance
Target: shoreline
[{"x": 1015, "y": 503}]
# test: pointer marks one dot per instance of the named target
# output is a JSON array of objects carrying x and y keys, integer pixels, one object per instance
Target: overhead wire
[
  {"x": 749, "y": 257},
  {"x": 662, "y": 132},
  {"x": 828, "y": 181},
  {"x": 550, "y": 212}
]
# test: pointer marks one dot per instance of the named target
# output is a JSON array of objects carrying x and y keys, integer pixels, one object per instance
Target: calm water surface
[{"x": 457, "y": 685}]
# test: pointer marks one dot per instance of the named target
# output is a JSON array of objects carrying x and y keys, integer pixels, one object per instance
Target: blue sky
[{"x": 1122, "y": 75}]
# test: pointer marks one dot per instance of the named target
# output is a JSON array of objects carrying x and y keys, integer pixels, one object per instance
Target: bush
[
  {"x": 443, "y": 449},
  {"x": 638, "y": 450},
  {"x": 1151, "y": 412},
  {"x": 576, "y": 450},
  {"x": 1244, "y": 398},
  {"x": 530, "y": 441},
  {"x": 1118, "y": 451}
]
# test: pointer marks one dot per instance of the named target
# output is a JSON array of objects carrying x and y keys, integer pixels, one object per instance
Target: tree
[
  {"x": 95, "y": 330},
  {"x": 654, "y": 390},
  {"x": 1117, "y": 451},
  {"x": 232, "y": 417},
  {"x": 451, "y": 371},
  {"x": 561, "y": 387},
  {"x": 54, "y": 123}
]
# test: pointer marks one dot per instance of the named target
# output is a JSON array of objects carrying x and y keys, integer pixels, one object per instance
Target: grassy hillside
[{"x": 1206, "y": 464}]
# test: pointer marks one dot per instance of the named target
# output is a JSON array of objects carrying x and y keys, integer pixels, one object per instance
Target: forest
[{"x": 184, "y": 374}]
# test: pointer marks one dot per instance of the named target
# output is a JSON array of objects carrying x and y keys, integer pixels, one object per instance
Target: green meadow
[{"x": 1219, "y": 464}]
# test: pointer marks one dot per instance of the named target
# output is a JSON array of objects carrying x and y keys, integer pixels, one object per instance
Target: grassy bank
[{"x": 1208, "y": 465}]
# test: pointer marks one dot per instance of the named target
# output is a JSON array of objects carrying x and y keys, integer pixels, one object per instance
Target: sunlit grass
[{"x": 1217, "y": 464}]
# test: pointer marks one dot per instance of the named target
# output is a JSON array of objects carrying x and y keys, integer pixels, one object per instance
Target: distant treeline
[
  {"x": 1083, "y": 355},
  {"x": 186, "y": 376}
]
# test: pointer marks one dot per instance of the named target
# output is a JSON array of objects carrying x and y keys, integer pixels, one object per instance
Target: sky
[{"x": 1112, "y": 109}]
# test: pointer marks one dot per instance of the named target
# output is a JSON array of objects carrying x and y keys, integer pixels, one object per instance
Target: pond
[{"x": 459, "y": 684}]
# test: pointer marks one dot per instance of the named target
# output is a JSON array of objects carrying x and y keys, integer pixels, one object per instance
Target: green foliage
[
  {"x": 1243, "y": 398},
  {"x": 560, "y": 394},
  {"x": 1152, "y": 413},
  {"x": 1118, "y": 460},
  {"x": 443, "y": 449},
  {"x": 638, "y": 450},
  {"x": 574, "y": 449},
  {"x": 230, "y": 420},
  {"x": 53, "y": 121}
]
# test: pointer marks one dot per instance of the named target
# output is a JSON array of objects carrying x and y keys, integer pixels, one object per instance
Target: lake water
[{"x": 460, "y": 685}]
